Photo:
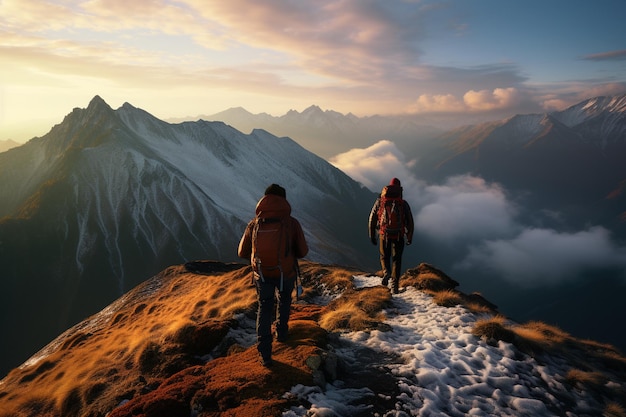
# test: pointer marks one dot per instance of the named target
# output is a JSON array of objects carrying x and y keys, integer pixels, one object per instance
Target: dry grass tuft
[
  {"x": 356, "y": 310},
  {"x": 589, "y": 379},
  {"x": 614, "y": 410},
  {"x": 447, "y": 298},
  {"x": 335, "y": 278},
  {"x": 493, "y": 329},
  {"x": 347, "y": 317},
  {"x": 427, "y": 277},
  {"x": 478, "y": 308},
  {"x": 535, "y": 336}
]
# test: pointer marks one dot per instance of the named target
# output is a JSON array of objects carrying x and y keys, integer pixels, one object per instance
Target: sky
[{"x": 186, "y": 58}]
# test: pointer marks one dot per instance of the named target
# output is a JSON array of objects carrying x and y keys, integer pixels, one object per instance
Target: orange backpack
[
  {"x": 391, "y": 213},
  {"x": 271, "y": 248}
]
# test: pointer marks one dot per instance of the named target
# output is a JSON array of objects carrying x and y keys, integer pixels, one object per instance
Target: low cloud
[
  {"x": 375, "y": 166},
  {"x": 475, "y": 218},
  {"x": 542, "y": 256},
  {"x": 467, "y": 208}
]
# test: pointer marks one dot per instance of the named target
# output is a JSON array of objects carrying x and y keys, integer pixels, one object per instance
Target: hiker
[
  {"x": 391, "y": 216},
  {"x": 273, "y": 241}
]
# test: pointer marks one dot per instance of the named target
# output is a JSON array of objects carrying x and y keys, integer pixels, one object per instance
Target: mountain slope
[
  {"x": 182, "y": 343},
  {"x": 571, "y": 161},
  {"x": 110, "y": 196}
]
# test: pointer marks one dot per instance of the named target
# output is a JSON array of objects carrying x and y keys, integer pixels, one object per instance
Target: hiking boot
[
  {"x": 266, "y": 361},
  {"x": 282, "y": 338},
  {"x": 385, "y": 281}
]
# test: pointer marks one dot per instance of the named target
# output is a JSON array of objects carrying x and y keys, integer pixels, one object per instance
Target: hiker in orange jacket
[
  {"x": 392, "y": 217},
  {"x": 273, "y": 241}
]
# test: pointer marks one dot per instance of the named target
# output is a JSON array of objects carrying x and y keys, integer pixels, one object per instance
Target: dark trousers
[
  {"x": 391, "y": 259},
  {"x": 267, "y": 293}
]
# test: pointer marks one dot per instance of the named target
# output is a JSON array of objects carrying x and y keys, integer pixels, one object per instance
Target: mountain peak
[
  {"x": 97, "y": 103},
  {"x": 313, "y": 109}
]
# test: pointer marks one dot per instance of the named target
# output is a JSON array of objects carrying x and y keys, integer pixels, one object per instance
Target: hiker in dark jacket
[
  {"x": 273, "y": 215},
  {"x": 391, "y": 237}
]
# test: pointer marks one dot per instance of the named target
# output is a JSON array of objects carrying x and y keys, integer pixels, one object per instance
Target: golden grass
[
  {"x": 493, "y": 329},
  {"x": 345, "y": 318},
  {"x": 427, "y": 277},
  {"x": 356, "y": 310},
  {"x": 447, "y": 298},
  {"x": 478, "y": 308},
  {"x": 590, "y": 379},
  {"x": 536, "y": 336},
  {"x": 614, "y": 410},
  {"x": 333, "y": 277},
  {"x": 156, "y": 328}
]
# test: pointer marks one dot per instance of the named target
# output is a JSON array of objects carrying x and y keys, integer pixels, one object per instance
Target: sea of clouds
[{"x": 478, "y": 220}]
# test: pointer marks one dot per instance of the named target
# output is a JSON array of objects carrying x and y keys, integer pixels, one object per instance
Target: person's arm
[
  {"x": 408, "y": 221},
  {"x": 245, "y": 244},
  {"x": 373, "y": 221}
]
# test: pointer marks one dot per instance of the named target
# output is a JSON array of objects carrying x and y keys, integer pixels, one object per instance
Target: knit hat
[
  {"x": 394, "y": 181},
  {"x": 276, "y": 190}
]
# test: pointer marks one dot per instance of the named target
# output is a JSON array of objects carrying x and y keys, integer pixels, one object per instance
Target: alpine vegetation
[
  {"x": 183, "y": 344},
  {"x": 110, "y": 197}
]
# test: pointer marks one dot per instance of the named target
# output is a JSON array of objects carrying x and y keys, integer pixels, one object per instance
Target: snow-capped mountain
[
  {"x": 326, "y": 132},
  {"x": 600, "y": 119},
  {"x": 109, "y": 197},
  {"x": 571, "y": 158}
]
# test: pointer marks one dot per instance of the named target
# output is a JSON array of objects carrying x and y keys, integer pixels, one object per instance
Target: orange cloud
[{"x": 474, "y": 101}]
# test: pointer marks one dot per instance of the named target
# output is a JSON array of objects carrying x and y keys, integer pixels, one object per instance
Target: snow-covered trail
[{"x": 443, "y": 370}]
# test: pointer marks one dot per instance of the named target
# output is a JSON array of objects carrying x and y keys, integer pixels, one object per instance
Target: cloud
[
  {"x": 542, "y": 256},
  {"x": 465, "y": 208},
  {"x": 360, "y": 56},
  {"x": 375, "y": 166},
  {"x": 573, "y": 93},
  {"x": 474, "y": 218},
  {"x": 473, "y": 101},
  {"x": 619, "y": 55}
]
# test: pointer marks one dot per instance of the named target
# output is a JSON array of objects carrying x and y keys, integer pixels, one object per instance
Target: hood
[{"x": 273, "y": 206}]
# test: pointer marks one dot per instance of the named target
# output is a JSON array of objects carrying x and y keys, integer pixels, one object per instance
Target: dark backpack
[
  {"x": 391, "y": 213},
  {"x": 271, "y": 248}
]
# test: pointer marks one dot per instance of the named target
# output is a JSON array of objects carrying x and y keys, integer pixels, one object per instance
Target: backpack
[
  {"x": 391, "y": 213},
  {"x": 271, "y": 248}
]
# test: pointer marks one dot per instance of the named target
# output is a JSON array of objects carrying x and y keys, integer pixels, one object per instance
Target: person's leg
[
  {"x": 398, "y": 248},
  {"x": 265, "y": 312},
  {"x": 384, "y": 249},
  {"x": 284, "y": 309}
]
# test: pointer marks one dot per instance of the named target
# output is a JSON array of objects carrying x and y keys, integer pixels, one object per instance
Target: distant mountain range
[
  {"x": 110, "y": 197},
  {"x": 328, "y": 133},
  {"x": 572, "y": 160},
  {"x": 5, "y": 145}
]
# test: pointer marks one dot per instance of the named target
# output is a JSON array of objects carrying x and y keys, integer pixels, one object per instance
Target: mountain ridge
[
  {"x": 183, "y": 343},
  {"x": 109, "y": 196},
  {"x": 328, "y": 132}
]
